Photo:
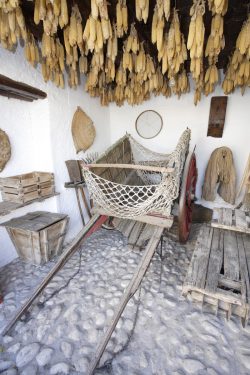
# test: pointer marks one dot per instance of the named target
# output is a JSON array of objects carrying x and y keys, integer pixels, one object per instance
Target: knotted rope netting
[{"x": 157, "y": 191}]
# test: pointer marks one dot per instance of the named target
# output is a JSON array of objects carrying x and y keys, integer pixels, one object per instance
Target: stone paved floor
[{"x": 160, "y": 332}]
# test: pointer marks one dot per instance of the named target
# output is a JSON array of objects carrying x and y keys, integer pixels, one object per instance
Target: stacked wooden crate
[{"x": 27, "y": 187}]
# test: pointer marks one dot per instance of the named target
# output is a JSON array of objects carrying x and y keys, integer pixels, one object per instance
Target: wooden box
[
  {"x": 27, "y": 187},
  {"x": 37, "y": 236}
]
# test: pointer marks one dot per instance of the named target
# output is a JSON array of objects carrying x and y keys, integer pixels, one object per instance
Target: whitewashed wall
[
  {"x": 40, "y": 136},
  {"x": 178, "y": 114}
]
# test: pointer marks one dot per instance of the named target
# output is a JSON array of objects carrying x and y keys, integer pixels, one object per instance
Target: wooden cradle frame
[{"x": 116, "y": 165}]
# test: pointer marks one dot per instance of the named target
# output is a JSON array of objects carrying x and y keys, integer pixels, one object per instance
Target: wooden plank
[
  {"x": 230, "y": 284},
  {"x": 244, "y": 275},
  {"x": 231, "y": 257},
  {"x": 129, "y": 228},
  {"x": 13, "y": 89},
  {"x": 225, "y": 220},
  {"x": 158, "y": 220},
  {"x": 222, "y": 295},
  {"x": 197, "y": 271},
  {"x": 129, "y": 292},
  {"x": 34, "y": 221},
  {"x": 94, "y": 223},
  {"x": 134, "y": 235},
  {"x": 217, "y": 116},
  {"x": 215, "y": 260},
  {"x": 145, "y": 235},
  {"x": 240, "y": 218},
  {"x": 246, "y": 241},
  {"x": 227, "y": 216},
  {"x": 131, "y": 166},
  {"x": 7, "y": 207}
]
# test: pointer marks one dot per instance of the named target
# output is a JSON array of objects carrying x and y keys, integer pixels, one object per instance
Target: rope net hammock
[{"x": 155, "y": 193}]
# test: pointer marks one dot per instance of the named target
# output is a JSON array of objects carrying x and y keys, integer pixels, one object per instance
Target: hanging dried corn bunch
[
  {"x": 53, "y": 60},
  {"x": 97, "y": 32},
  {"x": 215, "y": 43},
  {"x": 52, "y": 13},
  {"x": 31, "y": 50},
  {"x": 218, "y": 6},
  {"x": 132, "y": 41},
  {"x": 167, "y": 8},
  {"x": 75, "y": 28},
  {"x": 181, "y": 84},
  {"x": 173, "y": 52},
  {"x": 195, "y": 44},
  {"x": 141, "y": 10},
  {"x": 112, "y": 46},
  {"x": 121, "y": 18},
  {"x": 238, "y": 71},
  {"x": 158, "y": 24},
  {"x": 12, "y": 24}
]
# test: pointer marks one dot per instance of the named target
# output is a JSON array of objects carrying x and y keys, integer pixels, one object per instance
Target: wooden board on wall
[{"x": 217, "y": 116}]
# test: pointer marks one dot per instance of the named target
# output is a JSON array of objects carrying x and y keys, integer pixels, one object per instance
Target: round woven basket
[
  {"x": 83, "y": 130},
  {"x": 5, "y": 149}
]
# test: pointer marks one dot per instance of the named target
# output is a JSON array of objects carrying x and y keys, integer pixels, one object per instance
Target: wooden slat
[
  {"x": 240, "y": 218},
  {"x": 244, "y": 275},
  {"x": 215, "y": 260},
  {"x": 197, "y": 270},
  {"x": 130, "y": 166},
  {"x": 231, "y": 257},
  {"x": 129, "y": 228},
  {"x": 246, "y": 241},
  {"x": 136, "y": 231},
  {"x": 145, "y": 235},
  {"x": 158, "y": 220},
  {"x": 227, "y": 217},
  {"x": 34, "y": 221}
]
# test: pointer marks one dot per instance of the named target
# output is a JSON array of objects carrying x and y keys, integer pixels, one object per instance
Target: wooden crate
[
  {"x": 218, "y": 273},
  {"x": 27, "y": 187},
  {"x": 37, "y": 236}
]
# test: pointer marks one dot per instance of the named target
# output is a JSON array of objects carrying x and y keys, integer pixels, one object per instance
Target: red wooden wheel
[{"x": 187, "y": 195}]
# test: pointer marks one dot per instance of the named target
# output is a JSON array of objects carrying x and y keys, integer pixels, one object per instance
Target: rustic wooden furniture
[
  {"x": 217, "y": 116},
  {"x": 37, "y": 236},
  {"x": 27, "y": 187},
  {"x": 19, "y": 90},
  {"x": 219, "y": 271}
]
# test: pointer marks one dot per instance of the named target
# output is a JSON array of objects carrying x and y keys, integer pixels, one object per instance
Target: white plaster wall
[
  {"x": 40, "y": 136},
  {"x": 178, "y": 114}
]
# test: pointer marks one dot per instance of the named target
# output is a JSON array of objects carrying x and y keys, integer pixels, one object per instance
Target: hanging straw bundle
[{"x": 220, "y": 169}]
